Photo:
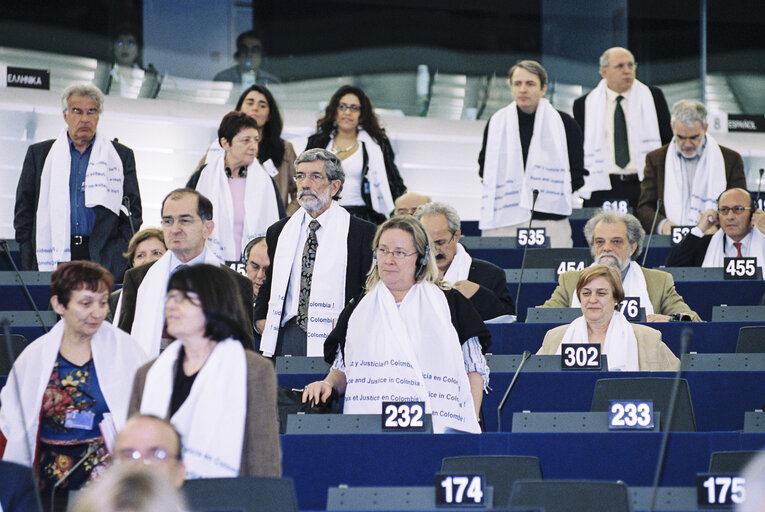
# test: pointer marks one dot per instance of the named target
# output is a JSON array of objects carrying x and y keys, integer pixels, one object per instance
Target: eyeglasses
[
  {"x": 737, "y": 210},
  {"x": 78, "y": 112},
  {"x": 441, "y": 243},
  {"x": 313, "y": 177},
  {"x": 397, "y": 254},
  {"x": 353, "y": 108},
  {"x": 180, "y": 297},
  {"x": 184, "y": 221},
  {"x": 616, "y": 242},
  {"x": 150, "y": 457}
]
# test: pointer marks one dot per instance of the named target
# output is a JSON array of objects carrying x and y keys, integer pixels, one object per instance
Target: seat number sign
[
  {"x": 724, "y": 491},
  {"x": 630, "y": 415},
  {"x": 580, "y": 356},
  {"x": 679, "y": 233},
  {"x": 464, "y": 490},
  {"x": 630, "y": 308},
  {"x": 531, "y": 237},
  {"x": 568, "y": 265},
  {"x": 740, "y": 268},
  {"x": 407, "y": 416}
]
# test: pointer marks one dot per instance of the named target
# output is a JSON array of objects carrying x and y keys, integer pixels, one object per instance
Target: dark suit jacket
[
  {"x": 652, "y": 186},
  {"x": 111, "y": 233},
  {"x": 690, "y": 252},
  {"x": 659, "y": 102},
  {"x": 360, "y": 236},
  {"x": 134, "y": 278},
  {"x": 17, "y": 488},
  {"x": 493, "y": 297}
]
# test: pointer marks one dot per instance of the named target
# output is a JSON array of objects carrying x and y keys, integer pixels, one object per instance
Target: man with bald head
[
  {"x": 622, "y": 120},
  {"x": 407, "y": 204},
  {"x": 152, "y": 441},
  {"x": 741, "y": 233}
]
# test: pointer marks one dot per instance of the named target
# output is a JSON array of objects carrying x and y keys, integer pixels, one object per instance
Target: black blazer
[
  {"x": 690, "y": 252},
  {"x": 111, "y": 233},
  {"x": 493, "y": 296},
  {"x": 659, "y": 102},
  {"x": 360, "y": 236}
]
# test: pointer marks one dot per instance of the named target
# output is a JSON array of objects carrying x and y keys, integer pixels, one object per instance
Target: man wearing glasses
[
  {"x": 77, "y": 194},
  {"x": 481, "y": 282},
  {"x": 319, "y": 257},
  {"x": 622, "y": 120},
  {"x": 741, "y": 233},
  {"x": 688, "y": 174},
  {"x": 154, "y": 442},
  {"x": 186, "y": 222}
]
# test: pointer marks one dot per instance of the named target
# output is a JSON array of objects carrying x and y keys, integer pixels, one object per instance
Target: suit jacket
[
  {"x": 652, "y": 186},
  {"x": 493, "y": 296},
  {"x": 261, "y": 451},
  {"x": 134, "y": 278},
  {"x": 661, "y": 290},
  {"x": 690, "y": 252},
  {"x": 360, "y": 236},
  {"x": 17, "y": 488},
  {"x": 111, "y": 233},
  {"x": 659, "y": 102},
  {"x": 653, "y": 354}
]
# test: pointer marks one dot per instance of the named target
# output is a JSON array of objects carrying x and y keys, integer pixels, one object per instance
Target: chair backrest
[
  {"x": 568, "y": 495},
  {"x": 751, "y": 339},
  {"x": 729, "y": 462},
  {"x": 657, "y": 389},
  {"x": 9, "y": 354},
  {"x": 243, "y": 494},
  {"x": 500, "y": 471}
]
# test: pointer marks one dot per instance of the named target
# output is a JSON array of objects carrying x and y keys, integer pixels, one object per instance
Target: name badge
[
  {"x": 630, "y": 308},
  {"x": 630, "y": 415},
  {"x": 460, "y": 490},
  {"x": 740, "y": 268},
  {"x": 82, "y": 420},
  {"x": 238, "y": 266},
  {"x": 617, "y": 205},
  {"x": 409, "y": 416},
  {"x": 531, "y": 237},
  {"x": 568, "y": 265},
  {"x": 679, "y": 233},
  {"x": 580, "y": 356},
  {"x": 723, "y": 491},
  {"x": 270, "y": 168}
]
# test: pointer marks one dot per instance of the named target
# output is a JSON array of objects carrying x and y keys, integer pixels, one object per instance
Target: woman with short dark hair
[
  {"x": 70, "y": 381},
  {"x": 219, "y": 396}
]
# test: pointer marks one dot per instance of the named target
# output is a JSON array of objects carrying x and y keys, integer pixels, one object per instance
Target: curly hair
[{"x": 367, "y": 118}]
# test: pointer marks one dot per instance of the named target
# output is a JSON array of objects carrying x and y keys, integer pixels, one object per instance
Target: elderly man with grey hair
[
  {"x": 622, "y": 120},
  {"x": 319, "y": 257},
  {"x": 481, "y": 282},
  {"x": 688, "y": 174},
  {"x": 92, "y": 219},
  {"x": 616, "y": 239}
]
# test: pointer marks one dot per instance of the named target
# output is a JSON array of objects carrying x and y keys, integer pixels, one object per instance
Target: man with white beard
[
  {"x": 319, "y": 257},
  {"x": 615, "y": 239}
]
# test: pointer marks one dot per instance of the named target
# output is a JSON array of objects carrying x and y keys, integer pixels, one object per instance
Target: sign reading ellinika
[{"x": 27, "y": 78}]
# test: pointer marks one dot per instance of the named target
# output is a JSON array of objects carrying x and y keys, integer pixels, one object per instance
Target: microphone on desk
[
  {"x": 91, "y": 450},
  {"x": 524, "y": 357},
  {"x": 24, "y": 287},
  {"x": 534, "y": 196},
  {"x": 685, "y": 340},
  {"x": 128, "y": 213},
  {"x": 653, "y": 228}
]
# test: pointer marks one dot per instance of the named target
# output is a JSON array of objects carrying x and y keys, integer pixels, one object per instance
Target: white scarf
[
  {"x": 716, "y": 250},
  {"x": 642, "y": 133},
  {"x": 459, "y": 268},
  {"x": 116, "y": 357},
  {"x": 409, "y": 345},
  {"x": 620, "y": 344},
  {"x": 327, "y": 284},
  {"x": 708, "y": 183},
  {"x": 260, "y": 206},
  {"x": 634, "y": 286},
  {"x": 149, "y": 315},
  {"x": 103, "y": 187},
  {"x": 507, "y": 186},
  {"x": 377, "y": 175},
  {"x": 211, "y": 419}
]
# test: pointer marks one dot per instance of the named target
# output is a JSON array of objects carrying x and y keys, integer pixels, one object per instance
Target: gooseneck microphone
[
  {"x": 23, "y": 284},
  {"x": 534, "y": 195},
  {"x": 685, "y": 340},
  {"x": 759, "y": 186},
  {"x": 653, "y": 228},
  {"x": 66, "y": 475},
  {"x": 524, "y": 357}
]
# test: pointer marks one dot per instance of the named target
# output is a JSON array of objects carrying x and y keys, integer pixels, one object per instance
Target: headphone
[
  {"x": 241, "y": 172},
  {"x": 753, "y": 205},
  {"x": 422, "y": 260},
  {"x": 422, "y": 263}
]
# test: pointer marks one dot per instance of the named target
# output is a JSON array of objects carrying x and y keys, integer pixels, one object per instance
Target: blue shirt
[{"x": 81, "y": 217}]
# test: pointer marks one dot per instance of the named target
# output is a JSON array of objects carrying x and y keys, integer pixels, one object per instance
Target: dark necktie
[
  {"x": 621, "y": 144},
  {"x": 306, "y": 274},
  {"x": 737, "y": 245}
]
